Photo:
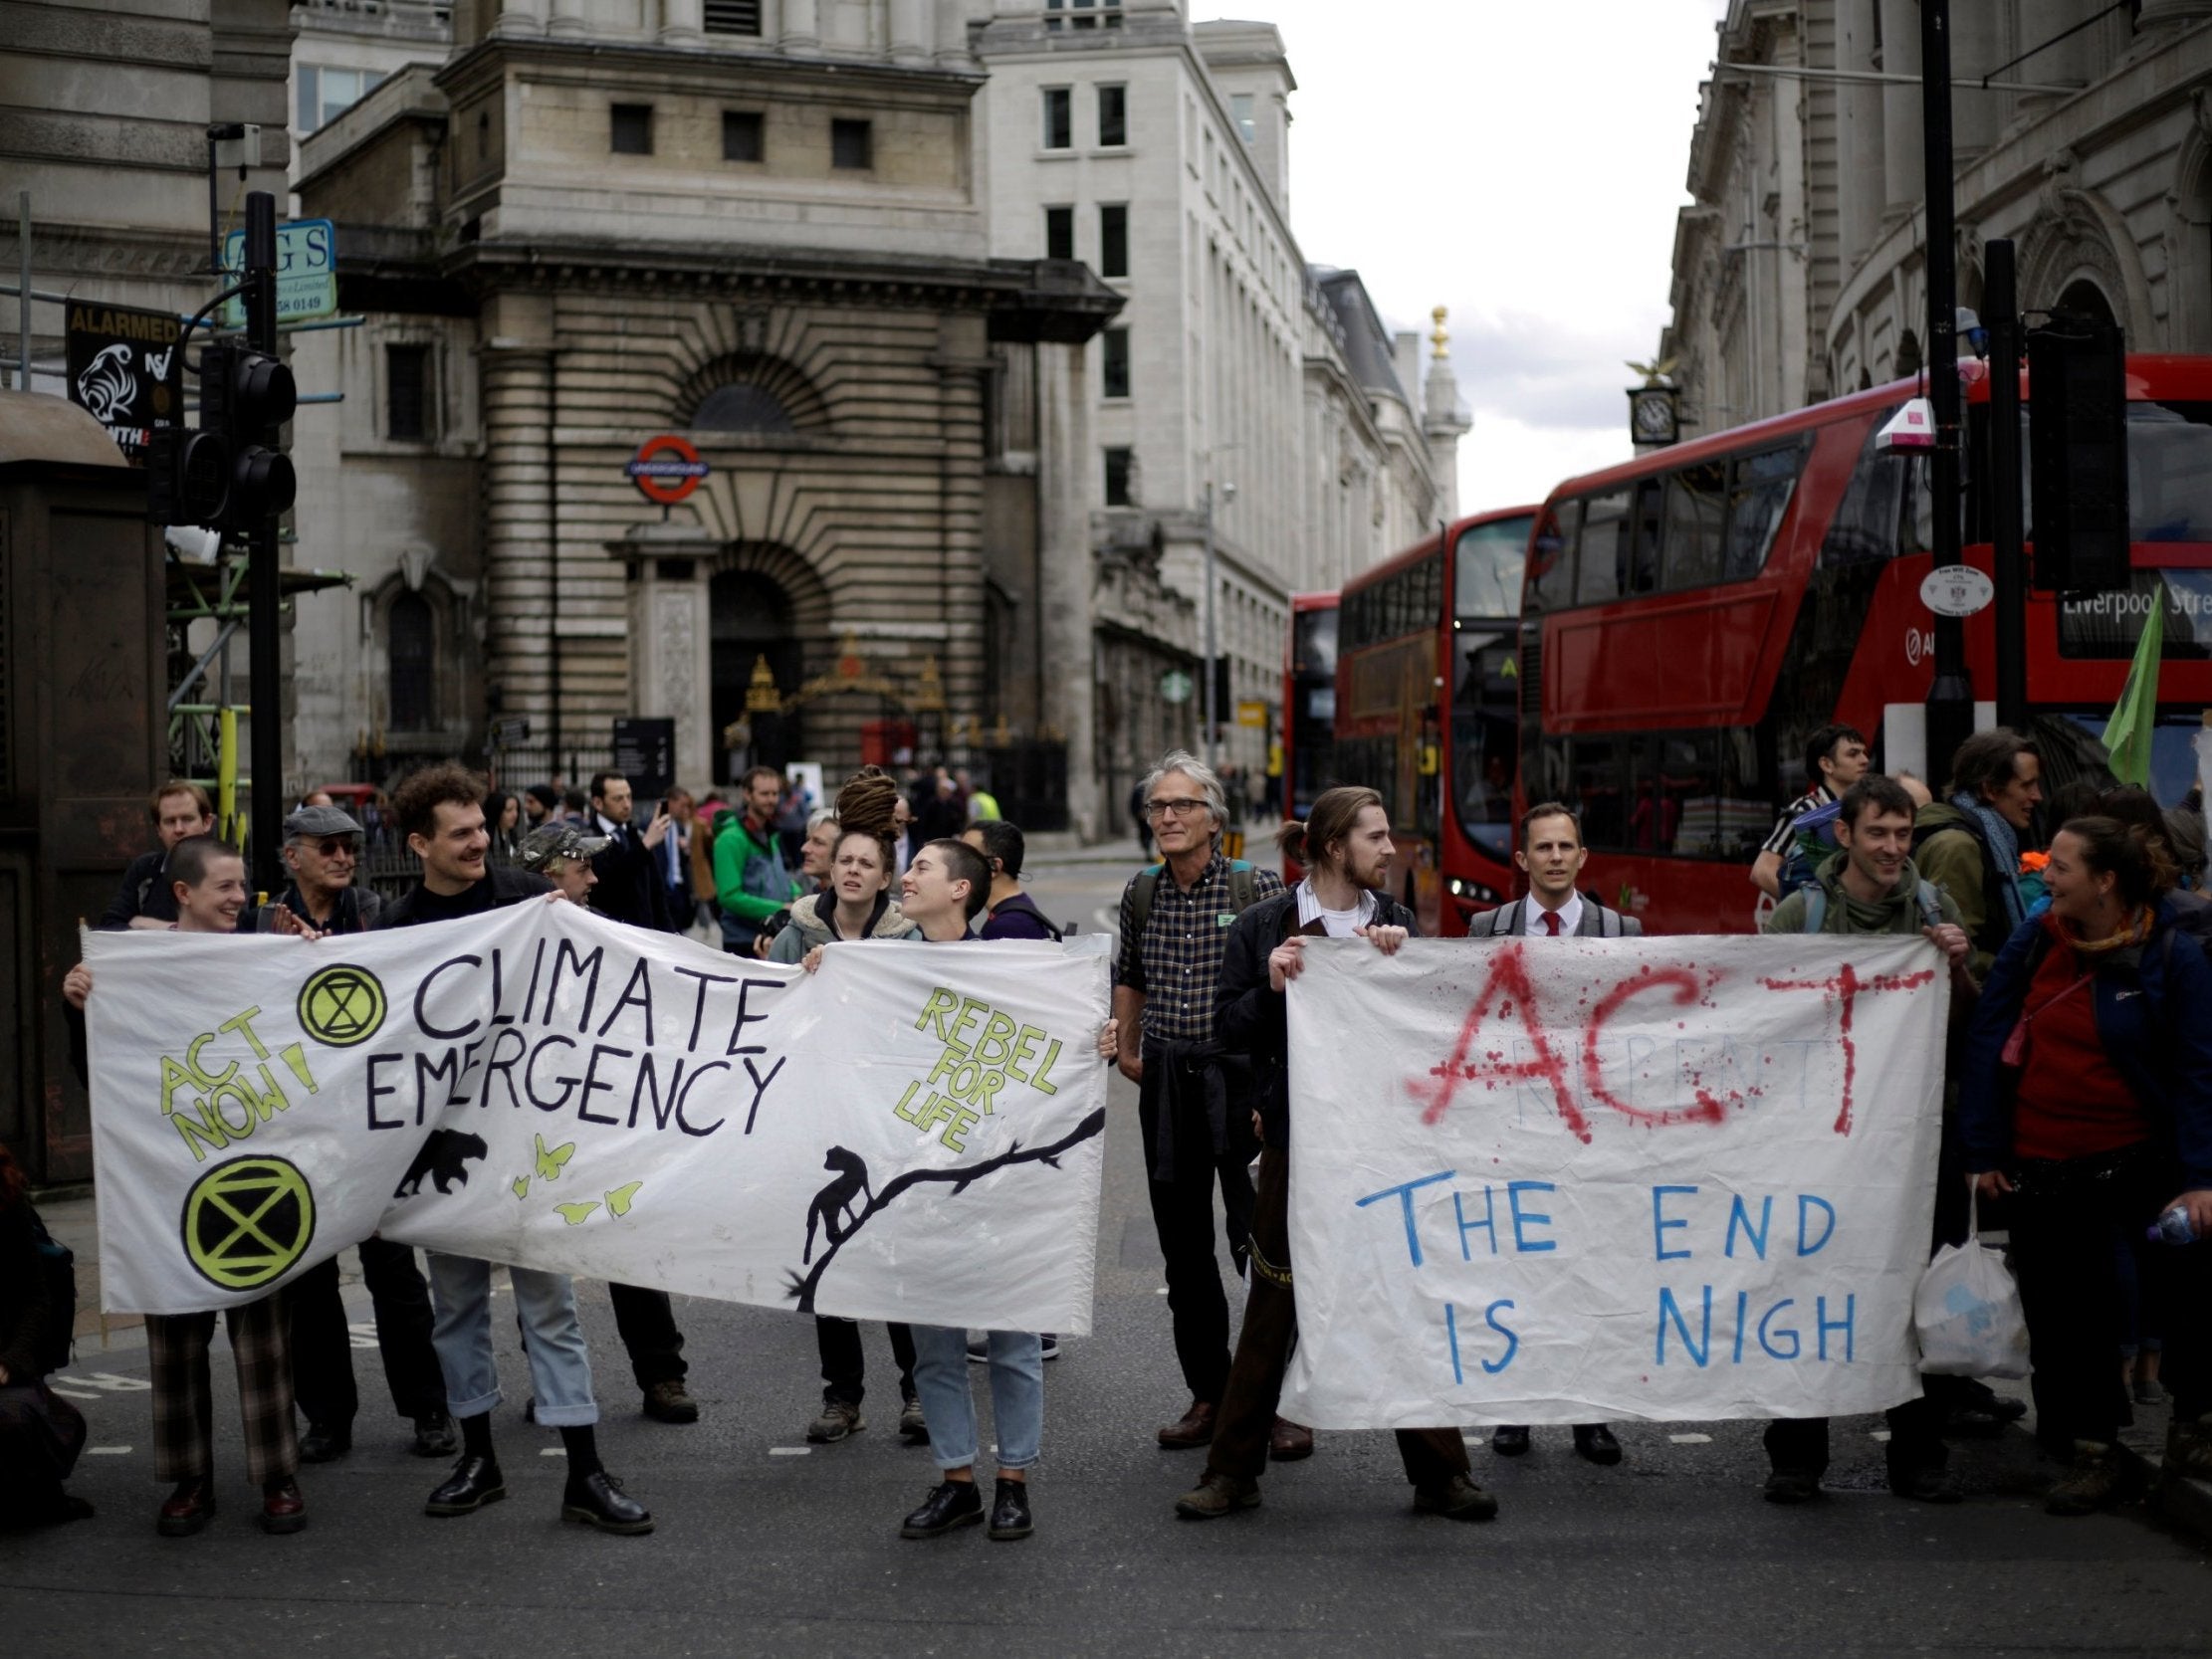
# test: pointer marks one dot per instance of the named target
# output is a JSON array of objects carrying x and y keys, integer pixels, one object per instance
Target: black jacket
[
  {"x": 633, "y": 882},
  {"x": 1249, "y": 1018},
  {"x": 508, "y": 886},
  {"x": 144, "y": 890},
  {"x": 26, "y": 1312}
]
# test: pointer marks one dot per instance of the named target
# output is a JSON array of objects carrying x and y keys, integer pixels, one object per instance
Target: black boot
[
  {"x": 598, "y": 1500},
  {"x": 1009, "y": 1511},
  {"x": 475, "y": 1482},
  {"x": 952, "y": 1505}
]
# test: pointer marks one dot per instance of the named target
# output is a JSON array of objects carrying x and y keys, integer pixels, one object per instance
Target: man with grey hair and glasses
[{"x": 1175, "y": 922}]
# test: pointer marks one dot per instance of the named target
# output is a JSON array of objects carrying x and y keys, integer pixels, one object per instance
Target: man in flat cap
[
  {"x": 321, "y": 850},
  {"x": 561, "y": 853}
]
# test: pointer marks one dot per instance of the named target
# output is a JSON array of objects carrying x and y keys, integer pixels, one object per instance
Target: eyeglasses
[{"x": 1174, "y": 809}]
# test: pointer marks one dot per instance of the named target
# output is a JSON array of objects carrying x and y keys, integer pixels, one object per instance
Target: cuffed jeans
[
  {"x": 1016, "y": 1395},
  {"x": 559, "y": 1364}
]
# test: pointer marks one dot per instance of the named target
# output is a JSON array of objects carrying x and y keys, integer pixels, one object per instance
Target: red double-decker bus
[
  {"x": 1427, "y": 704},
  {"x": 1690, "y": 618}
]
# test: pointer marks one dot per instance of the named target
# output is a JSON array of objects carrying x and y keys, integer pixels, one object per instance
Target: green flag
[{"x": 2127, "y": 732}]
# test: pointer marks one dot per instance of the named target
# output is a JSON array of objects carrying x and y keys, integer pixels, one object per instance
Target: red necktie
[{"x": 1551, "y": 923}]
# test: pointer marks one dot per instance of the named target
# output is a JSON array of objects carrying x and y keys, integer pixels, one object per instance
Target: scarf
[
  {"x": 2131, "y": 931},
  {"x": 2004, "y": 851}
]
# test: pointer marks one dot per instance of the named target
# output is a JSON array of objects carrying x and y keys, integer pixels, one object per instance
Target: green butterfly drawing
[
  {"x": 618, "y": 1201},
  {"x": 520, "y": 1185},
  {"x": 576, "y": 1214},
  {"x": 551, "y": 1160}
]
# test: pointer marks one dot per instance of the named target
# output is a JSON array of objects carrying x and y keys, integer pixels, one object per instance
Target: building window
[
  {"x": 1059, "y": 121},
  {"x": 740, "y": 136},
  {"x": 1113, "y": 116},
  {"x": 741, "y": 406},
  {"x": 733, "y": 17},
  {"x": 1241, "y": 111},
  {"x": 1121, "y": 471},
  {"x": 1059, "y": 233},
  {"x": 1113, "y": 239},
  {"x": 852, "y": 145},
  {"x": 410, "y": 638},
  {"x": 407, "y": 392},
  {"x": 630, "y": 129},
  {"x": 324, "y": 93},
  {"x": 1114, "y": 352},
  {"x": 1081, "y": 14}
]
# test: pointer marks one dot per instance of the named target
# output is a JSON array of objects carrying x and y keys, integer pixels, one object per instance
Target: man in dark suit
[
  {"x": 633, "y": 881},
  {"x": 1552, "y": 853}
]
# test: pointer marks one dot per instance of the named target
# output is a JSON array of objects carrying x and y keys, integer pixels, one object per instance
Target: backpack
[
  {"x": 1244, "y": 892},
  {"x": 58, "y": 1262},
  {"x": 1995, "y": 929},
  {"x": 1059, "y": 935},
  {"x": 1609, "y": 918},
  {"x": 1813, "y": 828},
  {"x": 1816, "y": 907}
]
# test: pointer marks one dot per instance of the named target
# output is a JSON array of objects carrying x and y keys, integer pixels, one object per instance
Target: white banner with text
[
  {"x": 1592, "y": 1180},
  {"x": 915, "y": 1132}
]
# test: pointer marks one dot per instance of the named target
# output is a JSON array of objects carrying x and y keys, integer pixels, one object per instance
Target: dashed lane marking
[
  {"x": 1692, "y": 1439},
  {"x": 789, "y": 1451}
]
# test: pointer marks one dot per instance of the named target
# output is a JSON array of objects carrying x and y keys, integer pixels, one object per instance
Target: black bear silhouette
[{"x": 443, "y": 1157}]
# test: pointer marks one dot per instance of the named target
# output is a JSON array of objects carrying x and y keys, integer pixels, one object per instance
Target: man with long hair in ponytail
[{"x": 1346, "y": 848}]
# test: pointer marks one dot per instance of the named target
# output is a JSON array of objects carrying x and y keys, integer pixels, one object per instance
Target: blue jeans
[
  {"x": 559, "y": 1364},
  {"x": 1016, "y": 1395}
]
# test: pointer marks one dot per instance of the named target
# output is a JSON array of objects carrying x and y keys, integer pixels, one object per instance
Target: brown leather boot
[{"x": 1196, "y": 1428}]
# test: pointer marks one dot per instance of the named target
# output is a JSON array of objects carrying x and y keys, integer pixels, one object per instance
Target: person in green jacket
[
  {"x": 1969, "y": 844},
  {"x": 752, "y": 883}
]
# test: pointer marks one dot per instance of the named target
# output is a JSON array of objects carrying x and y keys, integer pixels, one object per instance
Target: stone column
[
  {"x": 910, "y": 39},
  {"x": 1904, "y": 166},
  {"x": 1858, "y": 143},
  {"x": 1065, "y": 584},
  {"x": 668, "y": 567},
  {"x": 800, "y": 31},
  {"x": 683, "y": 22},
  {"x": 520, "y": 17},
  {"x": 516, "y": 365},
  {"x": 2160, "y": 12},
  {"x": 568, "y": 21},
  {"x": 2062, "y": 64}
]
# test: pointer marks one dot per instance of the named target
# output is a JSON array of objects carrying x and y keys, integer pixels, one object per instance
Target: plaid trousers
[{"x": 184, "y": 1406}]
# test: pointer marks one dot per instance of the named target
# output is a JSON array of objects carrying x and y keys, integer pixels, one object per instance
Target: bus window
[
  {"x": 1758, "y": 491},
  {"x": 1551, "y": 561},
  {"x": 1685, "y": 800},
  {"x": 1487, "y": 570},
  {"x": 1694, "y": 502},
  {"x": 1598, "y": 781},
  {"x": 1484, "y": 705},
  {"x": 1602, "y": 547},
  {"x": 1748, "y": 802},
  {"x": 2169, "y": 471},
  {"x": 1867, "y": 521},
  {"x": 1643, "y": 574},
  {"x": 2112, "y": 624}
]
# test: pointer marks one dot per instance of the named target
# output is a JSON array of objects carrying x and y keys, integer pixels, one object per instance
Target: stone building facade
[
  {"x": 588, "y": 227},
  {"x": 1798, "y": 272},
  {"x": 1238, "y": 393}
]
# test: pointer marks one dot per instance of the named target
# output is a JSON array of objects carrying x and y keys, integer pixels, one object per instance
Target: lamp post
[
  {"x": 1213, "y": 644},
  {"x": 1950, "y": 702}
]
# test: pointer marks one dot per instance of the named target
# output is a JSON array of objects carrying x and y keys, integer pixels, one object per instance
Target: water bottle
[{"x": 2172, "y": 1228}]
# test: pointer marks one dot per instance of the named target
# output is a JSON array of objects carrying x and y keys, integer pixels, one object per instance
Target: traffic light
[
  {"x": 245, "y": 395},
  {"x": 2078, "y": 455},
  {"x": 227, "y": 472}
]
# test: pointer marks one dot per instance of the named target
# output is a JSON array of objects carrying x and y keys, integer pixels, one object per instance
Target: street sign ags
[
  {"x": 306, "y": 272},
  {"x": 666, "y": 469},
  {"x": 125, "y": 370},
  {"x": 1956, "y": 590},
  {"x": 646, "y": 753}
]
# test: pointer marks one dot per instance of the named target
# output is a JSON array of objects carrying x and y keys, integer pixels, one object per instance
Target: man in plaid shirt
[{"x": 1196, "y": 1127}]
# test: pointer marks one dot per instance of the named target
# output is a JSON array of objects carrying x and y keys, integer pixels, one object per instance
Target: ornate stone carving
[{"x": 675, "y": 646}]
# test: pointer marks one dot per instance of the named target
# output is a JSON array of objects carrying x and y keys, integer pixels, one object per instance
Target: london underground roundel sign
[{"x": 666, "y": 469}]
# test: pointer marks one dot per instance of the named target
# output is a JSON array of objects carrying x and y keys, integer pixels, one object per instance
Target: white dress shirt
[{"x": 1570, "y": 917}]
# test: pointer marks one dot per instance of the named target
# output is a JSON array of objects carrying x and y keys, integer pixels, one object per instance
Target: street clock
[{"x": 1653, "y": 415}]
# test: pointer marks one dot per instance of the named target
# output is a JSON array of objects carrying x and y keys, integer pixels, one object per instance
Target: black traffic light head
[
  {"x": 245, "y": 395},
  {"x": 2078, "y": 455},
  {"x": 187, "y": 476}
]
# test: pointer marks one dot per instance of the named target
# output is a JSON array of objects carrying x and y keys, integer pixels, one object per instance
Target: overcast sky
[{"x": 1519, "y": 163}]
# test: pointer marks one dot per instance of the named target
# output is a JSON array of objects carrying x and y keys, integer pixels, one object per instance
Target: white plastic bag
[{"x": 1966, "y": 1312}]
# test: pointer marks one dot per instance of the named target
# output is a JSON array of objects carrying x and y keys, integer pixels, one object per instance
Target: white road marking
[
  {"x": 553, "y": 1451},
  {"x": 1878, "y": 1434},
  {"x": 789, "y": 1451},
  {"x": 107, "y": 1451},
  {"x": 1692, "y": 1439}
]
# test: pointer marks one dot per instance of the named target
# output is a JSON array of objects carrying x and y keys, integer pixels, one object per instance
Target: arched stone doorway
[
  {"x": 2085, "y": 298},
  {"x": 751, "y": 623}
]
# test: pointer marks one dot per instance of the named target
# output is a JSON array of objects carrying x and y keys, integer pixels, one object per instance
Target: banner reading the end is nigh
[
  {"x": 1582, "y": 1180},
  {"x": 914, "y": 1133}
]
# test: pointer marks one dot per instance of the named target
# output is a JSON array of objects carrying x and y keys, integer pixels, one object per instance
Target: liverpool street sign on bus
[{"x": 126, "y": 369}]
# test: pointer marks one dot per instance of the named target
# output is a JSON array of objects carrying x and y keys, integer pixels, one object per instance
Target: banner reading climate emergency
[
  {"x": 1575, "y": 1182},
  {"x": 912, "y": 1134}
]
